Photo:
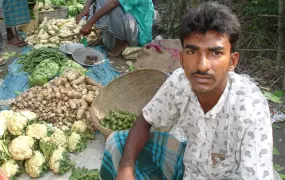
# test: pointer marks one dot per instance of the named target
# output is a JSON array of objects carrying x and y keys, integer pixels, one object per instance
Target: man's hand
[
  {"x": 86, "y": 29},
  {"x": 85, "y": 12},
  {"x": 126, "y": 174}
]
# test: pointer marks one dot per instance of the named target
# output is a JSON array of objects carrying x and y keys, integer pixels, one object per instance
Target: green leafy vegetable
[
  {"x": 47, "y": 148},
  {"x": 272, "y": 97},
  {"x": 7, "y": 55},
  {"x": 275, "y": 126},
  {"x": 277, "y": 167},
  {"x": 275, "y": 151},
  {"x": 65, "y": 163},
  {"x": 279, "y": 93},
  {"x": 84, "y": 174},
  {"x": 5, "y": 155}
]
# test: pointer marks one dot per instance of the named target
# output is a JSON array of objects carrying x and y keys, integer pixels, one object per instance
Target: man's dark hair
[{"x": 210, "y": 16}]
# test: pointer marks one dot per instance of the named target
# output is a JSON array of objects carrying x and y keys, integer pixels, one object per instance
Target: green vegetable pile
[
  {"x": 74, "y": 6},
  {"x": 36, "y": 56},
  {"x": 119, "y": 120},
  {"x": 84, "y": 174}
]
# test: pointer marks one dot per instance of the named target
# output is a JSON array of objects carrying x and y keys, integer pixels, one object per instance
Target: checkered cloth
[
  {"x": 161, "y": 158},
  {"x": 15, "y": 12}
]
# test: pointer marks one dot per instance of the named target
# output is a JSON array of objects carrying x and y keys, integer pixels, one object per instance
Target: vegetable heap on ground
[
  {"x": 44, "y": 5},
  {"x": 33, "y": 58},
  {"x": 62, "y": 101},
  {"x": 84, "y": 174},
  {"x": 33, "y": 146},
  {"x": 45, "y": 63},
  {"x": 119, "y": 120},
  {"x": 53, "y": 32}
]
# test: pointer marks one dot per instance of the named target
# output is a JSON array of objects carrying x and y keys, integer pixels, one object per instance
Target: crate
[{"x": 59, "y": 13}]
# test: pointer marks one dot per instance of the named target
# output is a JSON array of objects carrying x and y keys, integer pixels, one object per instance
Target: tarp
[{"x": 18, "y": 81}]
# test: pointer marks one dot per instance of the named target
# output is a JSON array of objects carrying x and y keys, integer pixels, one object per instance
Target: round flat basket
[{"x": 130, "y": 92}]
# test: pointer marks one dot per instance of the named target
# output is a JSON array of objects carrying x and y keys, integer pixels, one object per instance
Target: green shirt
[{"x": 143, "y": 12}]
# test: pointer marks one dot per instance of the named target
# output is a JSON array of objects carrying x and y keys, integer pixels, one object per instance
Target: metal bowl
[
  {"x": 79, "y": 55},
  {"x": 70, "y": 47}
]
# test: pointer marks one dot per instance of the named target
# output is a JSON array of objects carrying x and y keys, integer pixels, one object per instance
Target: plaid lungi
[
  {"x": 15, "y": 12},
  {"x": 161, "y": 157}
]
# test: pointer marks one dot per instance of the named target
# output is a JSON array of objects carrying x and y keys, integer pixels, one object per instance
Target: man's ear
[
  {"x": 181, "y": 58},
  {"x": 234, "y": 61}
]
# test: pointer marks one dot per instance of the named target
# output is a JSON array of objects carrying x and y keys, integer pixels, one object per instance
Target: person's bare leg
[
  {"x": 119, "y": 47},
  {"x": 13, "y": 39}
]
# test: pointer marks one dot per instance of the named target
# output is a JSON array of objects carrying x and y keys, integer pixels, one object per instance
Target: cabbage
[
  {"x": 48, "y": 67},
  {"x": 71, "y": 65},
  {"x": 43, "y": 72},
  {"x": 38, "y": 79}
]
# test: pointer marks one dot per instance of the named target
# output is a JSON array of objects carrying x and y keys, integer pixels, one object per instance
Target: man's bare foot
[
  {"x": 16, "y": 42},
  {"x": 120, "y": 46}
]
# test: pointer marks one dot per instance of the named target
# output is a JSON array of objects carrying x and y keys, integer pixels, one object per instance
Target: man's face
[{"x": 206, "y": 60}]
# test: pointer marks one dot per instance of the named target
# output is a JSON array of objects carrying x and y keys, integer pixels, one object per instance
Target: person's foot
[
  {"x": 2, "y": 61},
  {"x": 16, "y": 42},
  {"x": 120, "y": 46}
]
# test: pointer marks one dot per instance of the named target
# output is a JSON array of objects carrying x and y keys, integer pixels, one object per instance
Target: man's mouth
[{"x": 202, "y": 79}]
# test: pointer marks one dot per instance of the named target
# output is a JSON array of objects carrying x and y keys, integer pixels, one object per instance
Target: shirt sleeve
[
  {"x": 161, "y": 111},
  {"x": 256, "y": 147},
  {"x": 129, "y": 4}
]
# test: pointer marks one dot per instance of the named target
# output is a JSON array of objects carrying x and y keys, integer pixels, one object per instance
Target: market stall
[
  {"x": 61, "y": 99},
  {"x": 50, "y": 136}
]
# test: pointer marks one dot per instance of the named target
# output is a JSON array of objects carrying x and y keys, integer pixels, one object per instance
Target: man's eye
[
  {"x": 191, "y": 51},
  {"x": 217, "y": 53}
]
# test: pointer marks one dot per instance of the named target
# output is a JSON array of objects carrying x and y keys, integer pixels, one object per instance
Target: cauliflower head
[
  {"x": 16, "y": 124},
  {"x": 76, "y": 142},
  {"x": 4, "y": 115},
  {"x": 29, "y": 115},
  {"x": 79, "y": 127},
  {"x": 59, "y": 138},
  {"x": 35, "y": 166},
  {"x": 10, "y": 168},
  {"x": 21, "y": 147},
  {"x": 59, "y": 161},
  {"x": 73, "y": 141},
  {"x": 37, "y": 131}
]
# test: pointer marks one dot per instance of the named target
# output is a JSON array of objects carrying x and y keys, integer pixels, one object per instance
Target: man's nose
[{"x": 204, "y": 64}]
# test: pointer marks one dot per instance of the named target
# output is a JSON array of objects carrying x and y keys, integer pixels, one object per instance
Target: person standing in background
[{"x": 15, "y": 13}]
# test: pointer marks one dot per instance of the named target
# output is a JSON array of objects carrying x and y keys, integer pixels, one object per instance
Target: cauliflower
[
  {"x": 29, "y": 115},
  {"x": 47, "y": 147},
  {"x": 35, "y": 166},
  {"x": 16, "y": 123},
  {"x": 59, "y": 138},
  {"x": 37, "y": 131},
  {"x": 59, "y": 161},
  {"x": 79, "y": 127},
  {"x": 4, "y": 115},
  {"x": 10, "y": 168},
  {"x": 76, "y": 143},
  {"x": 21, "y": 147}
]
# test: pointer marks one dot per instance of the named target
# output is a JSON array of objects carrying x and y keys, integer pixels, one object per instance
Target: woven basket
[
  {"x": 130, "y": 92},
  {"x": 59, "y": 13}
]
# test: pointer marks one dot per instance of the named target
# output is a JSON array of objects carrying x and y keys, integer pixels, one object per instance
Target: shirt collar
[{"x": 217, "y": 108}]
